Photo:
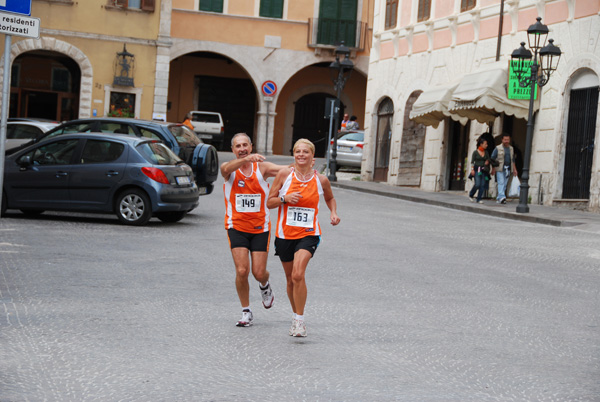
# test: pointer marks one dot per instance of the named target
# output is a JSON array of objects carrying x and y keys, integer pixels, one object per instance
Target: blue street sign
[
  {"x": 269, "y": 88},
  {"x": 16, "y": 6}
]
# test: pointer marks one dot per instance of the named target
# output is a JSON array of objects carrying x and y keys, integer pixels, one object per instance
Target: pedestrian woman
[
  {"x": 297, "y": 191},
  {"x": 480, "y": 169},
  {"x": 188, "y": 121}
]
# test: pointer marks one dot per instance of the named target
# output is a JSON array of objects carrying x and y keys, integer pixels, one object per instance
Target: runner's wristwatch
[{"x": 282, "y": 199}]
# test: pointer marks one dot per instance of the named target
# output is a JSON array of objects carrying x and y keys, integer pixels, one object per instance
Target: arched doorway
[
  {"x": 212, "y": 82},
  {"x": 311, "y": 123},
  {"x": 581, "y": 131},
  {"x": 383, "y": 142},
  {"x": 45, "y": 84},
  {"x": 413, "y": 145}
]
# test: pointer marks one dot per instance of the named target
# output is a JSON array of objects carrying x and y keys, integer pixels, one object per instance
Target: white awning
[
  {"x": 481, "y": 95},
  {"x": 431, "y": 106}
]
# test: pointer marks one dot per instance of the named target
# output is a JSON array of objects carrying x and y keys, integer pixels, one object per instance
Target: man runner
[{"x": 247, "y": 220}]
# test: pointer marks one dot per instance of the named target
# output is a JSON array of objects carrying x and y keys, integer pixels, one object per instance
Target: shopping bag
[{"x": 515, "y": 187}]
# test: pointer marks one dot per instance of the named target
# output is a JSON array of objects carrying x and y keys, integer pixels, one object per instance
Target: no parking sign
[{"x": 269, "y": 88}]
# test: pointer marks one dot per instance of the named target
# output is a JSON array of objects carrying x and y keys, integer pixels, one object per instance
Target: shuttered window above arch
[
  {"x": 424, "y": 10},
  {"x": 271, "y": 8},
  {"x": 215, "y": 6},
  {"x": 391, "y": 13},
  {"x": 145, "y": 5}
]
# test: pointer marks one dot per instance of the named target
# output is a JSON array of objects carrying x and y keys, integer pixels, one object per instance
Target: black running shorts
[
  {"x": 251, "y": 241},
  {"x": 286, "y": 249}
]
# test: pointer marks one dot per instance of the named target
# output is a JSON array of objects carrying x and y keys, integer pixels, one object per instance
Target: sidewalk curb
[{"x": 466, "y": 208}]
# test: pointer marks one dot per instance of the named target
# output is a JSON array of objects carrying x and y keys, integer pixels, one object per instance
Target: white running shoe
[
  {"x": 267, "y": 296},
  {"x": 246, "y": 320},
  {"x": 293, "y": 327},
  {"x": 300, "y": 329}
]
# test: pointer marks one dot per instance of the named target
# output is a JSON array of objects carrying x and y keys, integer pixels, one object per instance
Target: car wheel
[
  {"x": 173, "y": 216},
  {"x": 32, "y": 212},
  {"x": 4, "y": 204},
  {"x": 133, "y": 207}
]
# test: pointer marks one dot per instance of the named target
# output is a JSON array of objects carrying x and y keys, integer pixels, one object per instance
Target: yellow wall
[
  {"x": 93, "y": 16},
  {"x": 110, "y": 28},
  {"x": 240, "y": 30}
]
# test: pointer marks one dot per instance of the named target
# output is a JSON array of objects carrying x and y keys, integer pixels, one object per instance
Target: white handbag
[{"x": 515, "y": 187}]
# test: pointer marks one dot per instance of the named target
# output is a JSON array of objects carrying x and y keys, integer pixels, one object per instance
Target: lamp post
[
  {"x": 549, "y": 56},
  {"x": 340, "y": 73}
]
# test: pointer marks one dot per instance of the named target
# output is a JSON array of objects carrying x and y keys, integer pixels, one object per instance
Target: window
[
  {"x": 391, "y": 13},
  {"x": 271, "y": 8},
  {"x": 216, "y": 6},
  {"x": 61, "y": 80},
  {"x": 55, "y": 153},
  {"x": 96, "y": 151},
  {"x": 122, "y": 104},
  {"x": 424, "y": 10},
  {"x": 146, "y": 5},
  {"x": 467, "y": 5}
]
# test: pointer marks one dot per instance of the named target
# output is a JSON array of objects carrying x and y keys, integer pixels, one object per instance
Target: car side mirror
[{"x": 25, "y": 161}]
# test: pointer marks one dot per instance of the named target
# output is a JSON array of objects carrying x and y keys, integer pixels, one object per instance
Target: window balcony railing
[{"x": 329, "y": 32}]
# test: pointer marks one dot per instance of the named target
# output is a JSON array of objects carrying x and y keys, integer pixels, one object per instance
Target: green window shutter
[
  {"x": 215, "y": 6},
  {"x": 271, "y": 8},
  {"x": 337, "y": 22}
]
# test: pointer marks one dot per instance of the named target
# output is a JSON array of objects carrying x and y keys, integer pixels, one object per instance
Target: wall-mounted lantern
[{"x": 124, "y": 66}]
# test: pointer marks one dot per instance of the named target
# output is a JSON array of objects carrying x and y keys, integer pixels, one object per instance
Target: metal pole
[
  {"x": 330, "y": 133},
  {"x": 5, "y": 102},
  {"x": 524, "y": 195},
  {"x": 499, "y": 43},
  {"x": 333, "y": 163}
]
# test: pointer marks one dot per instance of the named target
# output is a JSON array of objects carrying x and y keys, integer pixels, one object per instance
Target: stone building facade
[{"x": 425, "y": 51}]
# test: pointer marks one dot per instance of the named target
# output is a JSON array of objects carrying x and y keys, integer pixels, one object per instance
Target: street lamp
[
  {"x": 549, "y": 57},
  {"x": 340, "y": 73}
]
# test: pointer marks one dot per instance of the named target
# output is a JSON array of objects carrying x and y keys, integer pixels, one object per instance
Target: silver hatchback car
[{"x": 349, "y": 148}]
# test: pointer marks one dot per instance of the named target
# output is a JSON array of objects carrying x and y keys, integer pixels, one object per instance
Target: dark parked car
[
  {"x": 203, "y": 158},
  {"x": 135, "y": 178}
]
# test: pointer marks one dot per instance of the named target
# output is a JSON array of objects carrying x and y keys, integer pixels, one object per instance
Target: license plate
[
  {"x": 202, "y": 190},
  {"x": 182, "y": 180},
  {"x": 348, "y": 149},
  {"x": 205, "y": 136}
]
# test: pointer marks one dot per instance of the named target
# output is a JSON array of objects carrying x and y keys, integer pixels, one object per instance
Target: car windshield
[
  {"x": 157, "y": 153},
  {"x": 71, "y": 128},
  {"x": 358, "y": 137},
  {"x": 206, "y": 117},
  {"x": 184, "y": 136}
]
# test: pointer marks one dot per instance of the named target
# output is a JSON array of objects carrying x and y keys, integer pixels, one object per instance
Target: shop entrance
[
  {"x": 458, "y": 138},
  {"x": 45, "y": 84}
]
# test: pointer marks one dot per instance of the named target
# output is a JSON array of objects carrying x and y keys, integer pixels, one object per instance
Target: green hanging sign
[{"x": 516, "y": 91}]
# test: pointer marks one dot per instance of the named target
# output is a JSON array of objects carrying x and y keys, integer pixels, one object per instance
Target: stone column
[
  {"x": 163, "y": 62},
  {"x": 264, "y": 128}
]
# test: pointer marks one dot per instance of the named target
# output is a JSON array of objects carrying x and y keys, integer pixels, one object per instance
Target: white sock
[
  {"x": 299, "y": 317},
  {"x": 246, "y": 308}
]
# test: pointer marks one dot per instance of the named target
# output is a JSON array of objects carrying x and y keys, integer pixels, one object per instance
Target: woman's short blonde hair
[{"x": 304, "y": 141}]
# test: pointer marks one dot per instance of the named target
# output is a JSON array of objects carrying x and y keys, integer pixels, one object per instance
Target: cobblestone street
[{"x": 407, "y": 302}]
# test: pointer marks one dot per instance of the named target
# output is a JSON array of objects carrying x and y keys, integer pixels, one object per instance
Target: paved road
[{"x": 407, "y": 302}]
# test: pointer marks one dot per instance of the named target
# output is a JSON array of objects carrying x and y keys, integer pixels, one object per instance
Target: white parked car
[
  {"x": 209, "y": 127},
  {"x": 349, "y": 149},
  {"x": 20, "y": 131}
]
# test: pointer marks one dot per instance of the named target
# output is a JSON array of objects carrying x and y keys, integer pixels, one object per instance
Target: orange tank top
[
  {"x": 295, "y": 221},
  {"x": 246, "y": 202}
]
